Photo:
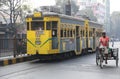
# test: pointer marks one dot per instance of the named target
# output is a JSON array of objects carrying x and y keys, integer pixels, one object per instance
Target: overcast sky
[
  {"x": 114, "y": 4},
  {"x": 37, "y": 3}
]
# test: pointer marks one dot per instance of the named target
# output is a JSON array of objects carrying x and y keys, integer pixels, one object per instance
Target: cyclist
[{"x": 104, "y": 43}]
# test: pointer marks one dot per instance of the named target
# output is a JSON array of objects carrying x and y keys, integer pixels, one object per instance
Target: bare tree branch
[
  {"x": 3, "y": 17},
  {"x": 4, "y": 12},
  {"x": 13, "y": 10},
  {"x": 6, "y": 3},
  {"x": 17, "y": 8},
  {"x": 17, "y": 3},
  {"x": 16, "y": 17}
]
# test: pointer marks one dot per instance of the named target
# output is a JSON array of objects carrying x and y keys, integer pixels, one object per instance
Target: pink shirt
[{"x": 104, "y": 41}]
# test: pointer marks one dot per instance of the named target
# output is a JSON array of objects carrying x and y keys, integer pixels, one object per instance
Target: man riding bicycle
[{"x": 104, "y": 43}]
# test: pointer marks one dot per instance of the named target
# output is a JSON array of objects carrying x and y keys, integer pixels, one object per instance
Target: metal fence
[{"x": 12, "y": 47}]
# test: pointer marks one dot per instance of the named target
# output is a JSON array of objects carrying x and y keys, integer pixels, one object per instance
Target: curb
[{"x": 6, "y": 62}]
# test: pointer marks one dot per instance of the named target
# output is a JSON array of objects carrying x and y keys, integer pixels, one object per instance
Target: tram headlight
[{"x": 37, "y": 42}]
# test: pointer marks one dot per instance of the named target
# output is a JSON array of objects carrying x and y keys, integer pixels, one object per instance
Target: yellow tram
[{"x": 52, "y": 34}]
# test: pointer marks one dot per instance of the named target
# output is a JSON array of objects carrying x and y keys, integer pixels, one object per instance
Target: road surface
[{"x": 82, "y": 67}]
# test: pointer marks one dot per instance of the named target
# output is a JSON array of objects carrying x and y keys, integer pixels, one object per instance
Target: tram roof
[
  {"x": 63, "y": 16},
  {"x": 91, "y": 23}
]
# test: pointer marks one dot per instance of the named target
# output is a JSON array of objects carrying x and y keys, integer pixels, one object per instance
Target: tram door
[
  {"x": 54, "y": 35},
  {"x": 94, "y": 39},
  {"x": 87, "y": 36},
  {"x": 77, "y": 39}
]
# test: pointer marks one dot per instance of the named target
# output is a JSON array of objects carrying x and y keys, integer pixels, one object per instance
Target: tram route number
[{"x": 38, "y": 33}]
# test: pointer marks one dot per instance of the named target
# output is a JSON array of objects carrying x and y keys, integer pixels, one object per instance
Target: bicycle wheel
[
  {"x": 97, "y": 57},
  {"x": 97, "y": 60},
  {"x": 101, "y": 61},
  {"x": 117, "y": 58}
]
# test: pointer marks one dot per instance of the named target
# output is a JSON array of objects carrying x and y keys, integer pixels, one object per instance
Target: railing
[{"x": 12, "y": 47}]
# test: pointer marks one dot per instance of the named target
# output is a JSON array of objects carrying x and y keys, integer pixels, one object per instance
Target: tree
[
  {"x": 87, "y": 13},
  {"x": 2, "y": 11},
  {"x": 24, "y": 10},
  {"x": 10, "y": 9},
  {"x": 62, "y": 3},
  {"x": 13, "y": 11}
]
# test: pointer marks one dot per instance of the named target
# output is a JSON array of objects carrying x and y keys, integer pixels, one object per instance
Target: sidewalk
[
  {"x": 11, "y": 60},
  {"x": 9, "y": 57}
]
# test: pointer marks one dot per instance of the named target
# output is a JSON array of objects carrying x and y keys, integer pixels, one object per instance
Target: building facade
[
  {"x": 107, "y": 17},
  {"x": 98, "y": 7},
  {"x": 101, "y": 9}
]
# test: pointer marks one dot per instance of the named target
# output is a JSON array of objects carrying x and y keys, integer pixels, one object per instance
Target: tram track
[
  {"x": 23, "y": 70},
  {"x": 42, "y": 63},
  {"x": 82, "y": 64}
]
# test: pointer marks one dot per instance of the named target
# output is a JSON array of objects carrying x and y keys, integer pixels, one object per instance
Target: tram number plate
[{"x": 38, "y": 33}]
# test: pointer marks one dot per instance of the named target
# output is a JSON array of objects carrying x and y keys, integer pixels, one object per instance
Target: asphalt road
[{"x": 82, "y": 67}]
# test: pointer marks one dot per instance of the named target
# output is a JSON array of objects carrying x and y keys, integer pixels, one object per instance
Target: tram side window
[
  {"x": 28, "y": 26},
  {"x": 97, "y": 34},
  {"x": 73, "y": 35},
  {"x": 70, "y": 33},
  {"x": 54, "y": 24},
  {"x": 90, "y": 34},
  {"x": 65, "y": 32},
  {"x": 54, "y": 28},
  {"x": 54, "y": 33},
  {"x": 81, "y": 33},
  {"x": 61, "y": 33},
  {"x": 77, "y": 31},
  {"x": 37, "y": 25},
  {"x": 48, "y": 25}
]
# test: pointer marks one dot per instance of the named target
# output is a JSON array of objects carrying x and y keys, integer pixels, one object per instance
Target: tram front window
[{"x": 37, "y": 25}]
